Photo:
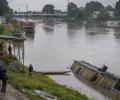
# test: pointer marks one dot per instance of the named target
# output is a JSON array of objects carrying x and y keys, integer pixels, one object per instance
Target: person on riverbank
[
  {"x": 4, "y": 78},
  {"x": 30, "y": 70},
  {"x": 10, "y": 50}
]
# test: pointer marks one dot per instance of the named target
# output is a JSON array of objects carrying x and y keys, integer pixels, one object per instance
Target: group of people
[{"x": 9, "y": 49}]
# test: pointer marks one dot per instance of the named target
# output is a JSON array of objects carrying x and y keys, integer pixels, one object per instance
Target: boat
[
  {"x": 29, "y": 26},
  {"x": 56, "y": 73},
  {"x": 98, "y": 78}
]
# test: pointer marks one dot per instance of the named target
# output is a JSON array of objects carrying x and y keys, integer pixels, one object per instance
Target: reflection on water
[
  {"x": 57, "y": 44},
  {"x": 74, "y": 25},
  {"x": 117, "y": 36},
  {"x": 48, "y": 27},
  {"x": 30, "y": 35},
  {"x": 72, "y": 28}
]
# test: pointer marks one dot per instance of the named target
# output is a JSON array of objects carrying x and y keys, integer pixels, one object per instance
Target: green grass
[{"x": 21, "y": 80}]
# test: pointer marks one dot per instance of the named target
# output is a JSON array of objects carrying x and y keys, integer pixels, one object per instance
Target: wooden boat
[
  {"x": 29, "y": 26},
  {"x": 56, "y": 73},
  {"x": 98, "y": 78}
]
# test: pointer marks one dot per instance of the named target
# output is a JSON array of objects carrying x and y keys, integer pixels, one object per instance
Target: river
[{"x": 55, "y": 45}]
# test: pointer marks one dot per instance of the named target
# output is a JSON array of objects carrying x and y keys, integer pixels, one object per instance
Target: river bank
[{"x": 25, "y": 84}]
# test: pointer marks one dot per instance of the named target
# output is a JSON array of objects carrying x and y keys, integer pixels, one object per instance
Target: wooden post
[
  {"x": 23, "y": 52},
  {"x": 14, "y": 48},
  {"x": 68, "y": 1}
]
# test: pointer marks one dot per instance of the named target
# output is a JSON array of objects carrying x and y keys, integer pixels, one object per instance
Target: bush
[{"x": 2, "y": 28}]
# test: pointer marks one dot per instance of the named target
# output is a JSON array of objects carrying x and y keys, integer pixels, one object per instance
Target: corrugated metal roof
[{"x": 12, "y": 38}]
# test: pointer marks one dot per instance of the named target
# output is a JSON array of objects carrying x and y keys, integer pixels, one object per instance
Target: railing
[{"x": 23, "y": 14}]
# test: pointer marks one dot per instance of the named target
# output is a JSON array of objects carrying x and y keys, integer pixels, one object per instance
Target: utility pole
[
  {"x": 18, "y": 10},
  {"x": 27, "y": 12},
  {"x": 27, "y": 8},
  {"x": 68, "y": 1}
]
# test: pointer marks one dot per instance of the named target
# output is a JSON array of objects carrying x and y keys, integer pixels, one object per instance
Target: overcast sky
[{"x": 59, "y": 4}]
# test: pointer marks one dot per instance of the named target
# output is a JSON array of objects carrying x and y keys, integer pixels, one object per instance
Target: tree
[
  {"x": 109, "y": 8},
  {"x": 92, "y": 7},
  {"x": 48, "y": 9},
  {"x": 9, "y": 15},
  {"x": 103, "y": 15},
  {"x": 81, "y": 14},
  {"x": 3, "y": 7},
  {"x": 72, "y": 10},
  {"x": 117, "y": 9}
]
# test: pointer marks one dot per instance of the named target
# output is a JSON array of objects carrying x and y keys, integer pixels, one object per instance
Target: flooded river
[{"x": 55, "y": 45}]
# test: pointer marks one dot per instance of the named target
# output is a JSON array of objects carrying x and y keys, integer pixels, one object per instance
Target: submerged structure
[{"x": 97, "y": 77}]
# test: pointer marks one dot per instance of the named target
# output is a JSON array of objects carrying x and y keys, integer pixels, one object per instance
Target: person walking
[{"x": 30, "y": 70}]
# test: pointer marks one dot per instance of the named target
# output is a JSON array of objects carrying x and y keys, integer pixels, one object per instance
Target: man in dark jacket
[
  {"x": 4, "y": 81},
  {"x": 10, "y": 50},
  {"x": 30, "y": 70},
  {"x": 4, "y": 78}
]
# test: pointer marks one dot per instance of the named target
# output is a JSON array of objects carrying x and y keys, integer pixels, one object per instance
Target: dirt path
[{"x": 12, "y": 94}]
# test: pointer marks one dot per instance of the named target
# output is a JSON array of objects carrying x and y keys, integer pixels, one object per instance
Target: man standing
[
  {"x": 4, "y": 81},
  {"x": 30, "y": 70},
  {"x": 10, "y": 50}
]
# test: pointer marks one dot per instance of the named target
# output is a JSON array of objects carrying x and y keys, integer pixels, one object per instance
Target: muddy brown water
[{"x": 55, "y": 45}]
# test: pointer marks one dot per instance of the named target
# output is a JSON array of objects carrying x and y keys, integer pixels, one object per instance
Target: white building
[{"x": 113, "y": 24}]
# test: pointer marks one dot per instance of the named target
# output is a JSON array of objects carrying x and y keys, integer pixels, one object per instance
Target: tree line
[
  {"x": 4, "y": 7},
  {"x": 73, "y": 11}
]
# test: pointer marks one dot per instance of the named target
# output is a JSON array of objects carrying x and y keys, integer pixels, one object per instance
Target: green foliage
[
  {"x": 109, "y": 8},
  {"x": 8, "y": 59},
  {"x": 81, "y": 14},
  {"x": 48, "y": 9},
  {"x": 72, "y": 10},
  {"x": 3, "y": 7},
  {"x": 103, "y": 15},
  {"x": 42, "y": 82},
  {"x": 92, "y": 7},
  {"x": 117, "y": 9},
  {"x": 9, "y": 16},
  {"x": 18, "y": 26},
  {"x": 2, "y": 28}
]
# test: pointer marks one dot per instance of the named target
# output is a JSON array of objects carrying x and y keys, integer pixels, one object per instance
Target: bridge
[{"x": 40, "y": 15}]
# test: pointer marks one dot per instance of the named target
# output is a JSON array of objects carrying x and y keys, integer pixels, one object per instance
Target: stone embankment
[{"x": 12, "y": 94}]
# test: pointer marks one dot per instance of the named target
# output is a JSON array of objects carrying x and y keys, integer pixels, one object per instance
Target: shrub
[{"x": 2, "y": 28}]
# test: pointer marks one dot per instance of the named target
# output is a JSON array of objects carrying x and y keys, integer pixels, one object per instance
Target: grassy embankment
[
  {"x": 21, "y": 80},
  {"x": 10, "y": 29}
]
